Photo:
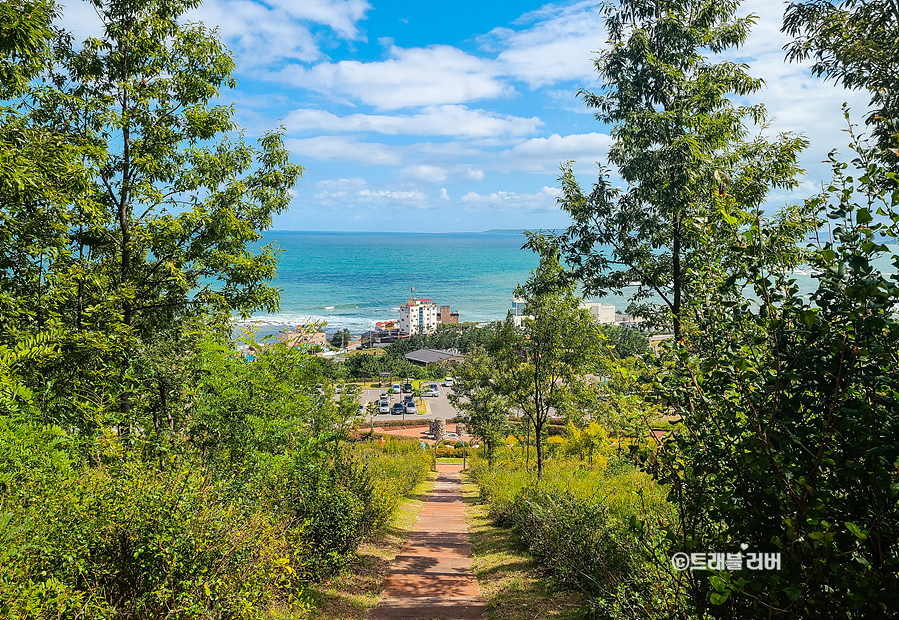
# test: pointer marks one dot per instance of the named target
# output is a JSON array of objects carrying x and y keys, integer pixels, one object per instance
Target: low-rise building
[
  {"x": 429, "y": 357},
  {"x": 418, "y": 316},
  {"x": 303, "y": 336},
  {"x": 604, "y": 314},
  {"x": 447, "y": 315},
  {"x": 518, "y": 306}
]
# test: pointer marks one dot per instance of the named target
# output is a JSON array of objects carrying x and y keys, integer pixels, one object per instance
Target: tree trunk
[
  {"x": 676, "y": 277},
  {"x": 538, "y": 432}
]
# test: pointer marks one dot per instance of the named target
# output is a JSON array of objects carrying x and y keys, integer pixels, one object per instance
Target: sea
[{"x": 353, "y": 279}]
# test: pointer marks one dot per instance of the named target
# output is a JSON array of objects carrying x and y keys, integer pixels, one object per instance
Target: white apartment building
[
  {"x": 604, "y": 314},
  {"x": 418, "y": 316}
]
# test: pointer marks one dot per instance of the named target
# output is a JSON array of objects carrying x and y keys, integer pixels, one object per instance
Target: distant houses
[{"x": 303, "y": 336}]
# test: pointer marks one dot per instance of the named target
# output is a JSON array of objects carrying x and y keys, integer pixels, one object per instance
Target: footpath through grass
[
  {"x": 356, "y": 589},
  {"x": 512, "y": 583}
]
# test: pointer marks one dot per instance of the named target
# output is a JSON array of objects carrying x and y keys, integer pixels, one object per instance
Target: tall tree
[
  {"x": 555, "y": 346},
  {"x": 680, "y": 145},
  {"x": 854, "y": 42},
  {"x": 791, "y": 412},
  {"x": 475, "y": 395},
  {"x": 163, "y": 234}
]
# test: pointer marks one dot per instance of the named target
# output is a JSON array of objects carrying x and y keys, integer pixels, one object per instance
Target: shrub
[
  {"x": 127, "y": 541},
  {"x": 592, "y": 528}
]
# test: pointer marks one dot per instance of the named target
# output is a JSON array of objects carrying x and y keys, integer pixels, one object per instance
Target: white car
[
  {"x": 384, "y": 407},
  {"x": 396, "y": 388},
  {"x": 410, "y": 407},
  {"x": 448, "y": 382},
  {"x": 432, "y": 390}
]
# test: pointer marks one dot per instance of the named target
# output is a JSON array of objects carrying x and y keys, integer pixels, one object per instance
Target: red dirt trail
[{"x": 431, "y": 578}]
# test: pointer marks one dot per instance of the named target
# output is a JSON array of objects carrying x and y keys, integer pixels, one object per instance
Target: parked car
[
  {"x": 395, "y": 388},
  {"x": 448, "y": 382},
  {"x": 407, "y": 387},
  {"x": 383, "y": 407},
  {"x": 432, "y": 390},
  {"x": 397, "y": 409},
  {"x": 410, "y": 406}
]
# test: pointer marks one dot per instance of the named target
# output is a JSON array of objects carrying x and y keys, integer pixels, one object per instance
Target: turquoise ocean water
[{"x": 352, "y": 279}]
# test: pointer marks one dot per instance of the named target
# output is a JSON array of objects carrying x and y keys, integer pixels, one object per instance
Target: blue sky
[{"x": 437, "y": 117}]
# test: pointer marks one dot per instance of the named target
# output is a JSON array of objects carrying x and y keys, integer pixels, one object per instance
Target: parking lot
[{"x": 438, "y": 406}]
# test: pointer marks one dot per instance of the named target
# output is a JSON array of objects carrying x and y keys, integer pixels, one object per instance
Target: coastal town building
[
  {"x": 447, "y": 315},
  {"x": 303, "y": 336},
  {"x": 383, "y": 333},
  {"x": 518, "y": 315},
  {"x": 418, "y": 316},
  {"x": 604, "y": 314},
  {"x": 430, "y": 357}
]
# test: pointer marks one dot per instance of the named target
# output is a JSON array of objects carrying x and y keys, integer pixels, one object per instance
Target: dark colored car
[
  {"x": 397, "y": 409},
  {"x": 407, "y": 387}
]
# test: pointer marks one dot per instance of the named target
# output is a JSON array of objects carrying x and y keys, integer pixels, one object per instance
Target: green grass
[
  {"x": 514, "y": 586},
  {"x": 449, "y": 460}
]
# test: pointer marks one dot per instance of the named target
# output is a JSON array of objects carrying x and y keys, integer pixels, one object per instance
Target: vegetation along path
[{"x": 431, "y": 578}]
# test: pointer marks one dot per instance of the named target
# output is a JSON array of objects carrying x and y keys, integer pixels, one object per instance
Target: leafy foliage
[
  {"x": 790, "y": 405},
  {"x": 680, "y": 143},
  {"x": 853, "y": 42}
]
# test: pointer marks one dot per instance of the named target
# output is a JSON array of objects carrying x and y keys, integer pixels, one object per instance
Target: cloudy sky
[{"x": 416, "y": 116}]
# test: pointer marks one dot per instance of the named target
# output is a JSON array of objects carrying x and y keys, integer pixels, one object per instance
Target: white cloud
[
  {"x": 340, "y": 15},
  {"x": 344, "y": 148},
  {"x": 557, "y": 46},
  {"x": 435, "y": 75},
  {"x": 81, "y": 19},
  {"x": 545, "y": 154},
  {"x": 439, "y": 174},
  {"x": 445, "y": 120},
  {"x": 393, "y": 195},
  {"x": 544, "y": 200},
  {"x": 342, "y": 183},
  {"x": 257, "y": 34},
  {"x": 430, "y": 174},
  {"x": 444, "y": 195}
]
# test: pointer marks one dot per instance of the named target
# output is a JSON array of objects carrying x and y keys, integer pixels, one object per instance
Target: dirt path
[{"x": 431, "y": 578}]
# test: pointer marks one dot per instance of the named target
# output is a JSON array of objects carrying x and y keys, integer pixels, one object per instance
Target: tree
[
  {"x": 791, "y": 415},
  {"x": 475, "y": 394},
  {"x": 537, "y": 363},
  {"x": 854, "y": 43},
  {"x": 625, "y": 342},
  {"x": 680, "y": 144},
  {"x": 162, "y": 234},
  {"x": 340, "y": 338}
]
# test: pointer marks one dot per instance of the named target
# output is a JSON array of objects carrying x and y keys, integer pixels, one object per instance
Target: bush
[
  {"x": 592, "y": 528},
  {"x": 128, "y": 541},
  {"x": 575, "y": 536}
]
